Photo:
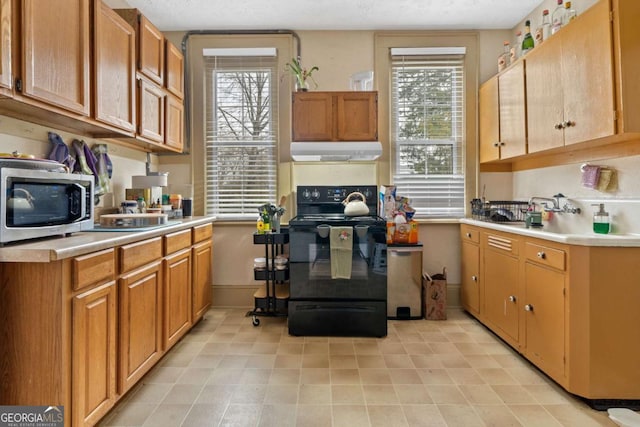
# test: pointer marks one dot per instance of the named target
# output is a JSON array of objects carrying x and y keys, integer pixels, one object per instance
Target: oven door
[{"x": 319, "y": 271}]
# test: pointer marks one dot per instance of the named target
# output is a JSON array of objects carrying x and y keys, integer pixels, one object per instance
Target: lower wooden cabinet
[
  {"x": 501, "y": 284},
  {"x": 177, "y": 296},
  {"x": 544, "y": 309},
  {"x": 202, "y": 269},
  {"x": 80, "y": 332},
  {"x": 470, "y": 270},
  {"x": 140, "y": 323},
  {"x": 93, "y": 358},
  {"x": 566, "y": 308}
]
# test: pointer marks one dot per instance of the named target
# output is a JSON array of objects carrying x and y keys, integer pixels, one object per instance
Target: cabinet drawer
[
  {"x": 175, "y": 241},
  {"x": 140, "y": 253},
  {"x": 93, "y": 268},
  {"x": 546, "y": 256},
  {"x": 202, "y": 232},
  {"x": 469, "y": 234}
]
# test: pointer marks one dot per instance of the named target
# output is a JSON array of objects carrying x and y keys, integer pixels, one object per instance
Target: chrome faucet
[{"x": 555, "y": 201}]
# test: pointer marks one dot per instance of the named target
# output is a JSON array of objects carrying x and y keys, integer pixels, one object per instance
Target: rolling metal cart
[{"x": 273, "y": 298}]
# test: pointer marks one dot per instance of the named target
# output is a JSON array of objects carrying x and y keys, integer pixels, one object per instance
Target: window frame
[
  {"x": 383, "y": 42},
  {"x": 195, "y": 79}
]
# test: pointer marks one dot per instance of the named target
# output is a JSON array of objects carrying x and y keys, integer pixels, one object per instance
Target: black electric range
[{"x": 337, "y": 264}]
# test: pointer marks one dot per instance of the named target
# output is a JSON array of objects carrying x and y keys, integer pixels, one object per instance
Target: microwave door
[{"x": 77, "y": 202}]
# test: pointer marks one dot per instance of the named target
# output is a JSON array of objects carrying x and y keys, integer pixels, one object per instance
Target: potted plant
[{"x": 302, "y": 74}]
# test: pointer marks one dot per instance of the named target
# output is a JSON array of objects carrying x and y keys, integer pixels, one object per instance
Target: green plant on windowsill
[{"x": 301, "y": 74}]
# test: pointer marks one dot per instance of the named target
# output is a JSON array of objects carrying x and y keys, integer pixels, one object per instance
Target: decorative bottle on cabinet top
[
  {"x": 505, "y": 57},
  {"x": 527, "y": 42},
  {"x": 544, "y": 30},
  {"x": 557, "y": 18},
  {"x": 569, "y": 14}
]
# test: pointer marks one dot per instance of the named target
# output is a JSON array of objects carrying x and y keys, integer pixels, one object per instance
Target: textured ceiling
[{"x": 178, "y": 15}]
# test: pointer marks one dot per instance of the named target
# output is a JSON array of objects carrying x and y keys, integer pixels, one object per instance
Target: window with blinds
[
  {"x": 241, "y": 131},
  {"x": 427, "y": 128}
]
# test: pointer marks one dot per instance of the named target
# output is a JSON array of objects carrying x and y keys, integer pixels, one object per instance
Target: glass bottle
[
  {"x": 527, "y": 42},
  {"x": 518, "y": 51},
  {"x": 557, "y": 18},
  {"x": 544, "y": 30},
  {"x": 569, "y": 14},
  {"x": 505, "y": 58}
]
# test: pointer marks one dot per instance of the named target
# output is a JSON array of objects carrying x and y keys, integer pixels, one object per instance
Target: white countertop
[
  {"x": 57, "y": 248},
  {"x": 586, "y": 239}
]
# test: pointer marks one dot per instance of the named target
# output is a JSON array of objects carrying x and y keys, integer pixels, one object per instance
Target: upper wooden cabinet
[
  {"x": 150, "y": 49},
  {"x": 55, "y": 44},
  {"x": 581, "y": 91},
  {"x": 114, "y": 69},
  {"x": 5, "y": 47},
  {"x": 174, "y": 72},
  {"x": 160, "y": 76},
  {"x": 335, "y": 116},
  {"x": 502, "y": 105},
  {"x": 570, "y": 83}
]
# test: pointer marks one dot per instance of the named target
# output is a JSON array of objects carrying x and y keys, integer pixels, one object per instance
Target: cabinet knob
[
  {"x": 502, "y": 144},
  {"x": 512, "y": 298},
  {"x": 495, "y": 144},
  {"x": 541, "y": 255},
  {"x": 528, "y": 307},
  {"x": 468, "y": 235},
  {"x": 474, "y": 278},
  {"x": 559, "y": 126},
  {"x": 568, "y": 124}
]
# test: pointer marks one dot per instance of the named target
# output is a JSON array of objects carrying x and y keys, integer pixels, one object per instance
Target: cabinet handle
[
  {"x": 468, "y": 235},
  {"x": 568, "y": 124},
  {"x": 474, "y": 278},
  {"x": 528, "y": 307},
  {"x": 502, "y": 144},
  {"x": 541, "y": 255},
  {"x": 512, "y": 298},
  {"x": 559, "y": 126},
  {"x": 495, "y": 144}
]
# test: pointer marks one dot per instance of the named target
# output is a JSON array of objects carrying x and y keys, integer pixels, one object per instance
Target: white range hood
[{"x": 334, "y": 151}]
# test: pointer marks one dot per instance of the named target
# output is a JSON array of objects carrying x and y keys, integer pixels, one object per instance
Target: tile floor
[{"x": 226, "y": 372}]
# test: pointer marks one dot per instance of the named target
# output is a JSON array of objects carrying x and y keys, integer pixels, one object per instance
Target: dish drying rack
[{"x": 499, "y": 210}]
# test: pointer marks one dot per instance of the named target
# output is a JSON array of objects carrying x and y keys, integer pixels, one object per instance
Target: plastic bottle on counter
[
  {"x": 601, "y": 220},
  {"x": 142, "y": 205},
  {"x": 570, "y": 13},
  {"x": 544, "y": 30}
]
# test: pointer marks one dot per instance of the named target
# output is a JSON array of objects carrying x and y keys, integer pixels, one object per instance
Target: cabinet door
[
  {"x": 174, "y": 72},
  {"x": 202, "y": 278},
  {"x": 500, "y": 286},
  {"x": 177, "y": 297},
  {"x": 93, "y": 357},
  {"x": 470, "y": 292},
  {"x": 489, "y": 121},
  {"x": 151, "y": 111},
  {"x": 545, "y": 103},
  {"x": 587, "y": 76},
  {"x": 312, "y": 118},
  {"x": 174, "y": 123},
  {"x": 140, "y": 323},
  {"x": 150, "y": 50},
  {"x": 357, "y": 115},
  {"x": 114, "y": 68},
  {"x": 55, "y": 57},
  {"x": 513, "y": 120},
  {"x": 5, "y": 44},
  {"x": 544, "y": 301}
]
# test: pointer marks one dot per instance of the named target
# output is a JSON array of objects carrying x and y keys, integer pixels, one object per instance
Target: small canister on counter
[
  {"x": 187, "y": 207},
  {"x": 176, "y": 201}
]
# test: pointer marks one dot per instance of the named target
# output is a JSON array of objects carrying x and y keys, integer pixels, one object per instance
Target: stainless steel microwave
[{"x": 41, "y": 199}]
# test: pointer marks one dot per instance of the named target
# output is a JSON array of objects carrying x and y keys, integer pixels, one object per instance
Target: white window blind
[
  {"x": 427, "y": 128},
  {"x": 241, "y": 133}
]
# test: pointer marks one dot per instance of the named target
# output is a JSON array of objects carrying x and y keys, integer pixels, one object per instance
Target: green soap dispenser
[{"x": 601, "y": 220}]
